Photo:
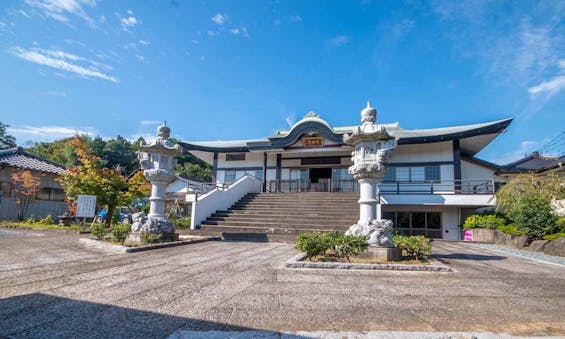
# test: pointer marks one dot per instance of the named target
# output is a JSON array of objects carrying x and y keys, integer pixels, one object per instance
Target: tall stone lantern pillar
[
  {"x": 156, "y": 160},
  {"x": 372, "y": 149}
]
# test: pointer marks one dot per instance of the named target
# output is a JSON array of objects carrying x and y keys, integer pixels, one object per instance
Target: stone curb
[
  {"x": 298, "y": 262},
  {"x": 124, "y": 249}
]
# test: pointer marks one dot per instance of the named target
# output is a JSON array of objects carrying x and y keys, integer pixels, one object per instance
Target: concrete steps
[{"x": 281, "y": 217}]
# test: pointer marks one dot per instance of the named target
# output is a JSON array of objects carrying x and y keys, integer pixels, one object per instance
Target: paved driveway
[{"x": 51, "y": 285}]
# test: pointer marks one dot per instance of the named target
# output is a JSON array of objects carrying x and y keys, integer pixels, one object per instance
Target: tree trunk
[{"x": 110, "y": 214}]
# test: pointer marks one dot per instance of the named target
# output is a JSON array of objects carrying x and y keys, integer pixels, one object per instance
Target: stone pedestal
[
  {"x": 381, "y": 254},
  {"x": 136, "y": 238}
]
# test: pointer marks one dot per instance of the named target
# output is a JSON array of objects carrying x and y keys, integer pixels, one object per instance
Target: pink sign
[{"x": 468, "y": 235}]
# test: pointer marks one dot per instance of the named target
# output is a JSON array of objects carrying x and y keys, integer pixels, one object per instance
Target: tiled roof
[
  {"x": 17, "y": 157},
  {"x": 536, "y": 163}
]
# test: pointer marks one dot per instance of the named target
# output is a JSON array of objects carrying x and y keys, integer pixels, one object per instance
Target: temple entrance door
[{"x": 320, "y": 179}]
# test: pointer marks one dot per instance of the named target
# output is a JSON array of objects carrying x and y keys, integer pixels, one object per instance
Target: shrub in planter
[
  {"x": 489, "y": 221},
  {"x": 561, "y": 223},
  {"x": 554, "y": 236},
  {"x": 510, "y": 229},
  {"x": 313, "y": 243},
  {"x": 534, "y": 217},
  {"x": 415, "y": 246},
  {"x": 347, "y": 246},
  {"x": 99, "y": 231},
  {"x": 120, "y": 232},
  {"x": 151, "y": 238},
  {"x": 182, "y": 223}
]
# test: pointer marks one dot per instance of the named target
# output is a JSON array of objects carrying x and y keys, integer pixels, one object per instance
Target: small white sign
[
  {"x": 86, "y": 205},
  {"x": 191, "y": 197}
]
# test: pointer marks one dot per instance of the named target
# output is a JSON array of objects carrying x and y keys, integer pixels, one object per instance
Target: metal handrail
[{"x": 463, "y": 186}]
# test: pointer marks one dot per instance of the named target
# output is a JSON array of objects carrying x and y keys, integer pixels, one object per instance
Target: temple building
[{"x": 433, "y": 179}]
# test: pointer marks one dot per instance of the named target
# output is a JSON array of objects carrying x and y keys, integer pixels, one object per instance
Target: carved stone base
[
  {"x": 142, "y": 223},
  {"x": 379, "y": 232},
  {"x": 378, "y": 253},
  {"x": 136, "y": 238}
]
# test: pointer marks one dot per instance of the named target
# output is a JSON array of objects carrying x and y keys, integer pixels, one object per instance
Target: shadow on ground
[
  {"x": 46, "y": 316},
  {"x": 465, "y": 256}
]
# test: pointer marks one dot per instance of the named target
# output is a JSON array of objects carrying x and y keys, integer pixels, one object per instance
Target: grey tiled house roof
[{"x": 17, "y": 157}]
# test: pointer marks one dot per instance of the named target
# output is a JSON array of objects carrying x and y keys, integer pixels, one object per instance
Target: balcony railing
[{"x": 387, "y": 187}]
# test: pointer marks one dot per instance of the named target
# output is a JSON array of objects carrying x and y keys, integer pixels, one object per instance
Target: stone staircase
[{"x": 280, "y": 217}]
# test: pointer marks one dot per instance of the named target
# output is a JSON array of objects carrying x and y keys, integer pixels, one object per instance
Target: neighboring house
[
  {"x": 51, "y": 195},
  {"x": 433, "y": 180},
  {"x": 534, "y": 163}
]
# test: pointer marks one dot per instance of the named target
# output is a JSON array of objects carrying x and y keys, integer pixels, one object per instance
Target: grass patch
[{"x": 37, "y": 226}]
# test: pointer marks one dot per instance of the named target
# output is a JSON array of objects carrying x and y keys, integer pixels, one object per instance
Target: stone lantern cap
[
  {"x": 162, "y": 144},
  {"x": 369, "y": 130}
]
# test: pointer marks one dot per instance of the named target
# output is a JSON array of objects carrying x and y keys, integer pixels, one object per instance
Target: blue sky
[{"x": 218, "y": 70}]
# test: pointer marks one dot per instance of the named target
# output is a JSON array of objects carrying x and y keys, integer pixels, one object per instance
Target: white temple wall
[
  {"x": 431, "y": 152},
  {"x": 472, "y": 171}
]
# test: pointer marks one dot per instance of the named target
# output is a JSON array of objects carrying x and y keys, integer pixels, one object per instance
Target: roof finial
[
  {"x": 368, "y": 103},
  {"x": 164, "y": 122}
]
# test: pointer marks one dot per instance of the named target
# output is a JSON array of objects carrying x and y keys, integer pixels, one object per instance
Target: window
[
  {"x": 6, "y": 189},
  {"x": 402, "y": 173},
  {"x": 258, "y": 174},
  {"x": 413, "y": 173},
  {"x": 229, "y": 176},
  {"x": 235, "y": 156},
  {"x": 416, "y": 223},
  {"x": 341, "y": 174},
  {"x": 302, "y": 174},
  {"x": 390, "y": 174},
  {"x": 433, "y": 172}
]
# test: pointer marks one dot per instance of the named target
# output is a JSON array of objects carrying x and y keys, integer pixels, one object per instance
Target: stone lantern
[
  {"x": 156, "y": 160},
  {"x": 372, "y": 149}
]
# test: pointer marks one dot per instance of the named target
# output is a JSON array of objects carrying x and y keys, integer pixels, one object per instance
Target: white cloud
[
  {"x": 526, "y": 147},
  {"x": 296, "y": 18},
  {"x": 235, "y": 31},
  {"x": 128, "y": 22},
  {"x": 340, "y": 40},
  {"x": 150, "y": 122},
  {"x": 60, "y": 9},
  {"x": 140, "y": 57},
  {"x": 144, "y": 42},
  {"x": 194, "y": 41},
  {"x": 58, "y": 60},
  {"x": 290, "y": 119},
  {"x": 49, "y": 133},
  {"x": 212, "y": 33},
  {"x": 219, "y": 18},
  {"x": 549, "y": 87}
]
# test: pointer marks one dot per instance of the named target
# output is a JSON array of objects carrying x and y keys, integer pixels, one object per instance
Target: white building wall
[
  {"x": 472, "y": 171},
  {"x": 432, "y": 152}
]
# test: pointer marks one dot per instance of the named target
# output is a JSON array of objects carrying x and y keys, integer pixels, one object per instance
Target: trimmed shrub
[
  {"x": 120, "y": 232},
  {"x": 510, "y": 229},
  {"x": 313, "y": 243},
  {"x": 347, "y": 246},
  {"x": 99, "y": 231},
  {"x": 554, "y": 236},
  {"x": 182, "y": 223},
  {"x": 534, "y": 217},
  {"x": 48, "y": 220},
  {"x": 151, "y": 238},
  {"x": 415, "y": 246},
  {"x": 489, "y": 221}
]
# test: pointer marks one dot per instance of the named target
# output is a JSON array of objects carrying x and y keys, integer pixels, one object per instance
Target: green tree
[
  {"x": 25, "y": 188},
  {"x": 6, "y": 141},
  {"x": 57, "y": 151},
  {"x": 119, "y": 152},
  {"x": 89, "y": 177},
  {"x": 546, "y": 187}
]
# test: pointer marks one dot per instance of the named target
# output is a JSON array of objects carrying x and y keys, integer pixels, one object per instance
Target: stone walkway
[{"x": 51, "y": 286}]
